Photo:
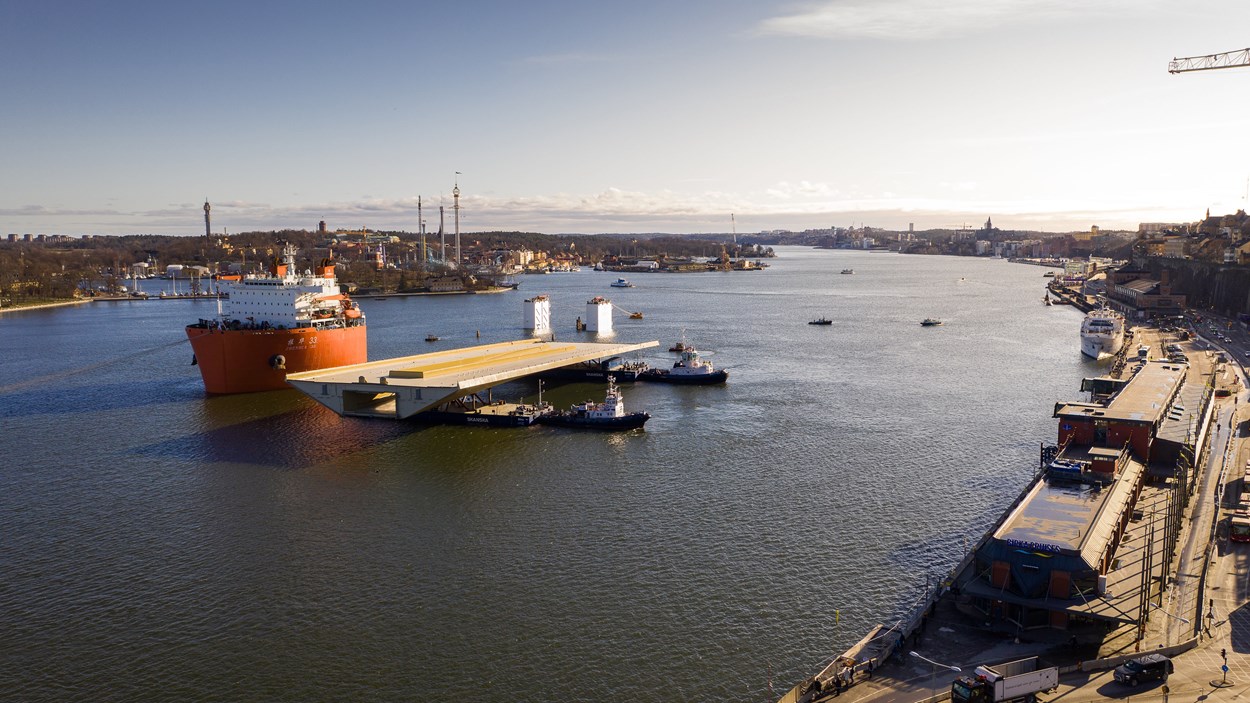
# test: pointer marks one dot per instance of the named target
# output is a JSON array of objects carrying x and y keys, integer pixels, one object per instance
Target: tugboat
[
  {"x": 622, "y": 283},
  {"x": 689, "y": 370},
  {"x": 608, "y": 415},
  {"x": 930, "y": 322},
  {"x": 821, "y": 321},
  {"x": 431, "y": 338},
  {"x": 848, "y": 271}
]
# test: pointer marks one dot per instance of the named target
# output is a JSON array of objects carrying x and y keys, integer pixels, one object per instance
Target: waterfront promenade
[
  {"x": 44, "y": 306},
  {"x": 1205, "y": 613}
]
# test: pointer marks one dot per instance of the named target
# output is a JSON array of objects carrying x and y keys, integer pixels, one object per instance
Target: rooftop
[
  {"x": 1141, "y": 285},
  {"x": 1143, "y": 399},
  {"x": 1066, "y": 518}
]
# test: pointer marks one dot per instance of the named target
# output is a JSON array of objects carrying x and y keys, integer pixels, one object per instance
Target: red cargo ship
[{"x": 275, "y": 324}]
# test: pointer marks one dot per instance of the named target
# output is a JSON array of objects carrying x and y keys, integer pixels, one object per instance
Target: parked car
[{"x": 1145, "y": 668}]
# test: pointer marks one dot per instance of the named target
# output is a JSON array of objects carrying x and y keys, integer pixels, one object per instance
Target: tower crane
[{"x": 1210, "y": 62}]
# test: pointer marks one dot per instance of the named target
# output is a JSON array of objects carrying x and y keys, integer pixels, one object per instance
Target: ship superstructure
[{"x": 1102, "y": 332}]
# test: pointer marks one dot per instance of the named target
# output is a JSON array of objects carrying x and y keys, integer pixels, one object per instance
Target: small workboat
[
  {"x": 848, "y": 271},
  {"x": 930, "y": 322},
  {"x": 678, "y": 347},
  {"x": 608, "y": 415},
  {"x": 821, "y": 321},
  {"x": 622, "y": 283},
  {"x": 431, "y": 338}
]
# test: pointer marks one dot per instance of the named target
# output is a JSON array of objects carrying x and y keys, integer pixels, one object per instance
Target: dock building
[
  {"x": 1138, "y": 295},
  {"x": 1088, "y": 540}
]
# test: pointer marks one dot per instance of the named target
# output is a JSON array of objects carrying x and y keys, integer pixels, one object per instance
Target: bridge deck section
[{"x": 404, "y": 386}]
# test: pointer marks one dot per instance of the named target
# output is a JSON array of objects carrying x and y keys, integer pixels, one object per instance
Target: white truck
[{"x": 1019, "y": 680}]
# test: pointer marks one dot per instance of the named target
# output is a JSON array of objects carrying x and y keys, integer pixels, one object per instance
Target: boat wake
[{"x": 70, "y": 373}]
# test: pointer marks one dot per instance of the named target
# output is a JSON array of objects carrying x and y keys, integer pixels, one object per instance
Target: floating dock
[{"x": 402, "y": 387}]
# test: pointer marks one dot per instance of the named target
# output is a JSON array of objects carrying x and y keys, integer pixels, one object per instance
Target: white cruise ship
[{"x": 1102, "y": 332}]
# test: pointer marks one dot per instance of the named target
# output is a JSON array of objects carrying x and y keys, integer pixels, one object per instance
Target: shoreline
[{"x": 42, "y": 306}]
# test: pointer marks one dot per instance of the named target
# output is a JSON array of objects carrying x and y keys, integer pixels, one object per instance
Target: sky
[{"x": 639, "y": 116}]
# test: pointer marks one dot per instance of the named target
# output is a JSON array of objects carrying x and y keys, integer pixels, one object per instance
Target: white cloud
[
  {"x": 926, "y": 19},
  {"x": 796, "y": 205}
]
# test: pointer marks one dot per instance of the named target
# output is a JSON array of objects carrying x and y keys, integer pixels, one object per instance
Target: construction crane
[{"x": 1210, "y": 62}]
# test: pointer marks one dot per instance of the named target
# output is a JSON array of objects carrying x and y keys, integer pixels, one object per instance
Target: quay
[
  {"x": 1048, "y": 263},
  {"x": 143, "y": 299},
  {"x": 409, "y": 294},
  {"x": 402, "y": 387},
  {"x": 1062, "y": 295},
  {"x": 1117, "y": 547}
]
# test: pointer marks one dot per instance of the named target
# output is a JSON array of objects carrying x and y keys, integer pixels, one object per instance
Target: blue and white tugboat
[
  {"x": 608, "y": 415},
  {"x": 689, "y": 370}
]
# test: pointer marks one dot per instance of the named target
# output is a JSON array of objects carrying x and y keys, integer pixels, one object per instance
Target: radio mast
[
  {"x": 442, "y": 239},
  {"x": 455, "y": 195},
  {"x": 208, "y": 230},
  {"x": 421, "y": 229}
]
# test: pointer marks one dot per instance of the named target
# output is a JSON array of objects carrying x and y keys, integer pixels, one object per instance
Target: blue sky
[{"x": 618, "y": 117}]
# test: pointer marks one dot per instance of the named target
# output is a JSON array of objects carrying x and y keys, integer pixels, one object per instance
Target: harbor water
[{"x": 158, "y": 544}]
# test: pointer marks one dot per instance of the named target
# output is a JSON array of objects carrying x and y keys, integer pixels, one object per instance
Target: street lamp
[{"x": 933, "y": 680}]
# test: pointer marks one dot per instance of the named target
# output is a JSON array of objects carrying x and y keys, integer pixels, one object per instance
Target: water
[{"x": 156, "y": 544}]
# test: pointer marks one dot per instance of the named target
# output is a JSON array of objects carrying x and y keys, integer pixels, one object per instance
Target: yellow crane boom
[{"x": 1210, "y": 62}]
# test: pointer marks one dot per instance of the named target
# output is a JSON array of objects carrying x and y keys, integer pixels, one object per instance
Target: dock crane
[{"x": 1210, "y": 62}]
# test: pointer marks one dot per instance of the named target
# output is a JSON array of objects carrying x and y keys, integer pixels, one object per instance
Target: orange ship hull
[{"x": 245, "y": 361}]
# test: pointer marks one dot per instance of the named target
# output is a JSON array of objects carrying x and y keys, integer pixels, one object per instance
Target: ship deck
[{"x": 404, "y": 386}]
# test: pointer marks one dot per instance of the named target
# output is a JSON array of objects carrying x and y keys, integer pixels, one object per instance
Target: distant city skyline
[{"x": 1046, "y": 115}]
